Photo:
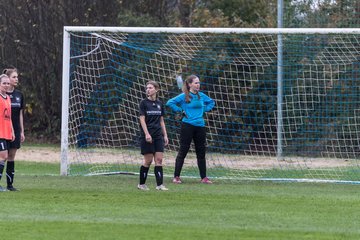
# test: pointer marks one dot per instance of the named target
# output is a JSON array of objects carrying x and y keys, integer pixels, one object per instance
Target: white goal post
[{"x": 310, "y": 132}]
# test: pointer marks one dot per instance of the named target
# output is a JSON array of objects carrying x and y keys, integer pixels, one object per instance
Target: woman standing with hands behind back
[
  {"x": 192, "y": 104},
  {"x": 17, "y": 117},
  {"x": 6, "y": 129}
]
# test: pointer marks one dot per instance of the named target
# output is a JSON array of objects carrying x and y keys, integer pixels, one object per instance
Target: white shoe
[
  {"x": 143, "y": 187},
  {"x": 161, "y": 188}
]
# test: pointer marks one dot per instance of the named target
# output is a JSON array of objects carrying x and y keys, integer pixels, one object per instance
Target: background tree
[
  {"x": 31, "y": 35},
  {"x": 32, "y": 41}
]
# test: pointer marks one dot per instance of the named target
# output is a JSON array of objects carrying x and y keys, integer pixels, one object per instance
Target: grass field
[{"x": 110, "y": 207}]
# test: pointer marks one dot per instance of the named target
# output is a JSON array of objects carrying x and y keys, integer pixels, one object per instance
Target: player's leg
[
  {"x": 10, "y": 169},
  {"x": 147, "y": 150},
  {"x": 200, "y": 149},
  {"x": 144, "y": 169},
  {"x": 158, "y": 169},
  {"x": 186, "y": 135},
  {"x": 3, "y": 157},
  {"x": 10, "y": 162}
]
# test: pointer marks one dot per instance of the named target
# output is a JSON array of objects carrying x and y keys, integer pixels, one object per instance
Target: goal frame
[{"x": 64, "y": 163}]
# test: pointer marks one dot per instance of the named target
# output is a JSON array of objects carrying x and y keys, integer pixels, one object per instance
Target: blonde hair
[
  {"x": 3, "y": 76},
  {"x": 186, "y": 87},
  {"x": 9, "y": 71}
]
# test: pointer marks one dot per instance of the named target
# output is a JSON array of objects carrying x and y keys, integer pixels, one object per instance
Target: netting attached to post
[{"x": 320, "y": 103}]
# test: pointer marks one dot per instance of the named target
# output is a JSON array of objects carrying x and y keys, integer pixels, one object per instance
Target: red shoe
[
  {"x": 177, "y": 180},
  {"x": 206, "y": 180}
]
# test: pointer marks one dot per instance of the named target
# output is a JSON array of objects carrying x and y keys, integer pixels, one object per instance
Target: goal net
[{"x": 294, "y": 119}]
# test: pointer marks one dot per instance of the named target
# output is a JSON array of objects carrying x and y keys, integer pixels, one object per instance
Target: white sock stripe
[{"x": 8, "y": 176}]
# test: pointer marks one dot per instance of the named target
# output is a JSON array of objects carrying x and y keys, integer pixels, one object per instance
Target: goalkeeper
[
  {"x": 153, "y": 136},
  {"x": 192, "y": 104}
]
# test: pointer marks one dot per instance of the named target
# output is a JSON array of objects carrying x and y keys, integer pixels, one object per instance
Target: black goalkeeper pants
[{"x": 188, "y": 133}]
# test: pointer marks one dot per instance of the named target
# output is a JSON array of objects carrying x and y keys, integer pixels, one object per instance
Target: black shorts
[
  {"x": 156, "y": 146},
  {"x": 4, "y": 144},
  {"x": 16, "y": 142}
]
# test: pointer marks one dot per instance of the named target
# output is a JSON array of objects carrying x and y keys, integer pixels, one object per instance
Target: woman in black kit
[{"x": 153, "y": 136}]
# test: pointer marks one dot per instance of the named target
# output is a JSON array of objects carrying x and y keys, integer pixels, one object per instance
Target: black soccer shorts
[{"x": 157, "y": 145}]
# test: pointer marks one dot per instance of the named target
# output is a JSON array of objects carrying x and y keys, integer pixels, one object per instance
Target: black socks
[
  {"x": 158, "y": 171},
  {"x": 10, "y": 172},
  {"x": 143, "y": 174},
  {"x": 2, "y": 166}
]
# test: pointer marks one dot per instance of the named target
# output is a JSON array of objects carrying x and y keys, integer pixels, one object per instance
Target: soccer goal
[{"x": 287, "y": 100}]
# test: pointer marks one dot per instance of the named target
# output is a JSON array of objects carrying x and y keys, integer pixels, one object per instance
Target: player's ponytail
[{"x": 9, "y": 71}]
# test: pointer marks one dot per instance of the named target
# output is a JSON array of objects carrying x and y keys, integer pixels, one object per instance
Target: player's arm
[
  {"x": 22, "y": 134},
  {"x": 209, "y": 103},
  {"x": 142, "y": 113},
  {"x": 12, "y": 133},
  {"x": 175, "y": 103},
  {"x": 148, "y": 137},
  {"x": 163, "y": 128}
]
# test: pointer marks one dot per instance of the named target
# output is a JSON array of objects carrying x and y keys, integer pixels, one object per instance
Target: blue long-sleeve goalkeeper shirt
[{"x": 194, "y": 110}]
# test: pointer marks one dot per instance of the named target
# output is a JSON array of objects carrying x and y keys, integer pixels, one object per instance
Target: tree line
[{"x": 31, "y": 34}]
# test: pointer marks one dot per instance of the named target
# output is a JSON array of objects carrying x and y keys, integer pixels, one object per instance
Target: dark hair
[
  {"x": 186, "y": 87},
  {"x": 155, "y": 84}
]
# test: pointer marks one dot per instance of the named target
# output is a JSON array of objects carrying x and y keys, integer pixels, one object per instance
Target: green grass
[
  {"x": 110, "y": 207},
  {"x": 337, "y": 174}
]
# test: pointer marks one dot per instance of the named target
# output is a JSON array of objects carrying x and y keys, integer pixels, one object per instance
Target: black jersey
[
  {"x": 17, "y": 104},
  {"x": 153, "y": 111}
]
